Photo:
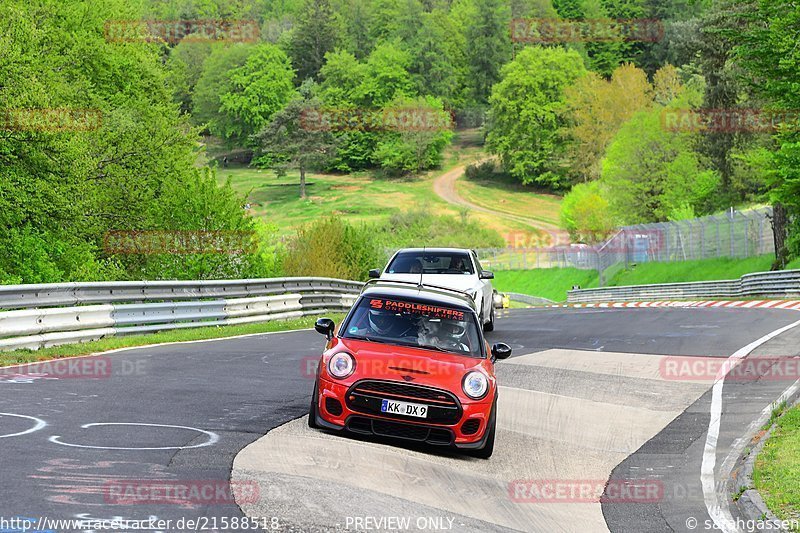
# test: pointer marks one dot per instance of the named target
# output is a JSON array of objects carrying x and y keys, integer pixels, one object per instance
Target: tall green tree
[
  {"x": 288, "y": 142},
  {"x": 258, "y": 89},
  {"x": 528, "y": 112},
  {"x": 650, "y": 173},
  {"x": 767, "y": 49},
  {"x": 318, "y": 31},
  {"x": 488, "y": 43}
]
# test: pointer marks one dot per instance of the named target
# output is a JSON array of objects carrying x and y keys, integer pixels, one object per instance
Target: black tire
[
  {"x": 489, "y": 326},
  {"x": 488, "y": 448},
  {"x": 312, "y": 410}
]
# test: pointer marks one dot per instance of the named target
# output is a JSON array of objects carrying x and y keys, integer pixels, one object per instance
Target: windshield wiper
[{"x": 367, "y": 338}]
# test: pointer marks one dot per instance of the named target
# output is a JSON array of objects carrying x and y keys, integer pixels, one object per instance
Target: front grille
[
  {"x": 333, "y": 406},
  {"x": 366, "y": 397},
  {"x": 470, "y": 427},
  {"x": 398, "y": 430}
]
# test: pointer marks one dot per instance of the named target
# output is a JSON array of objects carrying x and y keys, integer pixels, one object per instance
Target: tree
[
  {"x": 416, "y": 145},
  {"x": 438, "y": 63},
  {"x": 386, "y": 76},
  {"x": 488, "y": 45},
  {"x": 213, "y": 83},
  {"x": 130, "y": 167},
  {"x": 318, "y": 31},
  {"x": 722, "y": 88},
  {"x": 767, "y": 49},
  {"x": 185, "y": 66},
  {"x": 258, "y": 89},
  {"x": 597, "y": 109},
  {"x": 650, "y": 172},
  {"x": 585, "y": 213},
  {"x": 341, "y": 76},
  {"x": 528, "y": 112},
  {"x": 288, "y": 142}
]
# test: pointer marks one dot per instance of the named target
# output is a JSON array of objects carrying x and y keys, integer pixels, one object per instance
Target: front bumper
[{"x": 335, "y": 413}]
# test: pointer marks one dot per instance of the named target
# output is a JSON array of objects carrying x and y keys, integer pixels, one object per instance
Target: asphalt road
[{"x": 70, "y": 444}]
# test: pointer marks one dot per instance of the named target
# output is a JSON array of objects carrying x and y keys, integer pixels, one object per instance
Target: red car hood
[{"x": 412, "y": 365}]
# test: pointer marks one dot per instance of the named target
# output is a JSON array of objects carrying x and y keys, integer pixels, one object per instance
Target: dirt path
[{"x": 445, "y": 187}]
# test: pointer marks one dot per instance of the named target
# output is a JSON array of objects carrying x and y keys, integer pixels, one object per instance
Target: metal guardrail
[
  {"x": 36, "y": 316},
  {"x": 528, "y": 299},
  {"x": 778, "y": 284}
]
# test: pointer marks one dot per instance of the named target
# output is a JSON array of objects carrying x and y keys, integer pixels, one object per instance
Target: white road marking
[
  {"x": 718, "y": 511},
  {"x": 213, "y": 438},
  {"x": 39, "y": 424}
]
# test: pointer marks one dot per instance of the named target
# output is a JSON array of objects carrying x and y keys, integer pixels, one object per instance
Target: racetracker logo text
[
  {"x": 199, "y": 492},
  {"x": 586, "y": 491}
]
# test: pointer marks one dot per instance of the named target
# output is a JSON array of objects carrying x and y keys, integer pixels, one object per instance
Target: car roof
[
  {"x": 420, "y": 293},
  {"x": 434, "y": 250}
]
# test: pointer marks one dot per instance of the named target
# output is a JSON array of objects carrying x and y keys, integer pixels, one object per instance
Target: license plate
[{"x": 404, "y": 408}]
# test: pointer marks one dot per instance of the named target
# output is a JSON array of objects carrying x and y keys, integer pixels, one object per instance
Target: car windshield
[
  {"x": 430, "y": 263},
  {"x": 415, "y": 324}
]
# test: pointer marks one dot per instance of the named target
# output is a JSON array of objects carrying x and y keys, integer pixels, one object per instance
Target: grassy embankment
[
  {"x": 777, "y": 468},
  {"x": 553, "y": 283}
]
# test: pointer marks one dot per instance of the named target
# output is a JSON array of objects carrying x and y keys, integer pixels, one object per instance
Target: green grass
[
  {"x": 700, "y": 270},
  {"x": 502, "y": 193},
  {"x": 550, "y": 283},
  {"x": 777, "y": 469},
  {"x": 111, "y": 343},
  {"x": 553, "y": 283}
]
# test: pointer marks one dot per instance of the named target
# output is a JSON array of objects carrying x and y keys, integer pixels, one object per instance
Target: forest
[{"x": 691, "y": 115}]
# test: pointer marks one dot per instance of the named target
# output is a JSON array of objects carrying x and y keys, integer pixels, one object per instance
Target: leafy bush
[
  {"x": 585, "y": 213},
  {"x": 419, "y": 227},
  {"x": 331, "y": 247},
  {"x": 483, "y": 170}
]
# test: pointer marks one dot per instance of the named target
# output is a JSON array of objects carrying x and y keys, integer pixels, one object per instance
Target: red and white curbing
[{"x": 741, "y": 304}]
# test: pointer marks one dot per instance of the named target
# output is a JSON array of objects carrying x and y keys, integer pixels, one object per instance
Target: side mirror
[
  {"x": 374, "y": 273},
  {"x": 487, "y": 275},
  {"x": 501, "y": 350},
  {"x": 325, "y": 326}
]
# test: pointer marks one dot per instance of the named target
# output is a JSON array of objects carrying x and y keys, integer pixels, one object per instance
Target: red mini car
[{"x": 409, "y": 362}]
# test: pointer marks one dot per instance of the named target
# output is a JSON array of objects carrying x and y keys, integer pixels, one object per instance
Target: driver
[
  {"x": 457, "y": 264},
  {"x": 446, "y": 335},
  {"x": 383, "y": 323}
]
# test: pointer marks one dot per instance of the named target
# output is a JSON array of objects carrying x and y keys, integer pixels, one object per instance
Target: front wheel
[{"x": 312, "y": 410}]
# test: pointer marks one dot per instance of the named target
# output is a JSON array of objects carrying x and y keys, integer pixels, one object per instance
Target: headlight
[
  {"x": 475, "y": 385},
  {"x": 341, "y": 365}
]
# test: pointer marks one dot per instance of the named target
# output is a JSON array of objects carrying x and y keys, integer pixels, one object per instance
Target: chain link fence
[{"x": 731, "y": 234}]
